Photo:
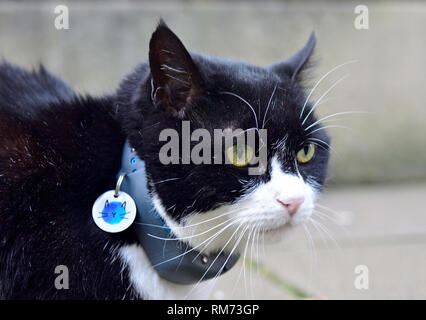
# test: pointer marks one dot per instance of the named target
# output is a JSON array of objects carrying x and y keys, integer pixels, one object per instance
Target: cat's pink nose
[{"x": 292, "y": 204}]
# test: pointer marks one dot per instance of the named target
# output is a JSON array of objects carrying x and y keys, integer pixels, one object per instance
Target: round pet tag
[{"x": 114, "y": 212}]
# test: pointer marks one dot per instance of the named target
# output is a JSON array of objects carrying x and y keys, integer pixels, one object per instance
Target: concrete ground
[{"x": 380, "y": 227}]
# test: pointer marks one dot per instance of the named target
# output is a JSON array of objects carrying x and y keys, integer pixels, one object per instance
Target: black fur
[{"x": 60, "y": 151}]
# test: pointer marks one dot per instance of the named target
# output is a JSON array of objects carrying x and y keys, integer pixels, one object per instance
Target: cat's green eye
[
  {"x": 240, "y": 156},
  {"x": 306, "y": 153}
]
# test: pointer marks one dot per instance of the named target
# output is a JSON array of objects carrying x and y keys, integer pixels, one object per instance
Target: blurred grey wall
[{"x": 107, "y": 39}]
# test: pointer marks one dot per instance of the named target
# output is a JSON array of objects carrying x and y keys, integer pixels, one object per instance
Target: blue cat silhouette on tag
[{"x": 114, "y": 213}]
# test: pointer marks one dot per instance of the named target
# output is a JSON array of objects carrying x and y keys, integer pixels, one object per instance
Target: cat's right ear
[
  {"x": 293, "y": 66},
  {"x": 175, "y": 78}
]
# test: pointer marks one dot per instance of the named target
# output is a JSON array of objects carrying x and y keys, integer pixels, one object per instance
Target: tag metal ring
[{"x": 119, "y": 182}]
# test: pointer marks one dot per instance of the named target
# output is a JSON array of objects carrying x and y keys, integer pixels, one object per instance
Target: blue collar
[{"x": 174, "y": 260}]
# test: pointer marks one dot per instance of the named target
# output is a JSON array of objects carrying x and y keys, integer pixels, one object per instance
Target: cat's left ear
[
  {"x": 295, "y": 64},
  {"x": 176, "y": 79}
]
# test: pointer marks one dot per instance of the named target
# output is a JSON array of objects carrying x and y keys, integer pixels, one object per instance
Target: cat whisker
[
  {"x": 267, "y": 121},
  {"x": 280, "y": 144},
  {"x": 326, "y": 231},
  {"x": 259, "y": 231},
  {"x": 151, "y": 126},
  {"x": 244, "y": 131},
  {"x": 190, "y": 225},
  {"x": 323, "y": 215},
  {"x": 199, "y": 245},
  {"x": 233, "y": 249},
  {"x": 321, "y": 146},
  {"x": 191, "y": 236},
  {"x": 320, "y": 141},
  {"x": 211, "y": 219},
  {"x": 269, "y": 104},
  {"x": 334, "y": 115},
  {"x": 217, "y": 256},
  {"x": 333, "y": 120},
  {"x": 320, "y": 232},
  {"x": 260, "y": 137},
  {"x": 245, "y": 257},
  {"x": 328, "y": 215},
  {"x": 319, "y": 81},
  {"x": 243, "y": 265},
  {"x": 258, "y": 106},
  {"x": 329, "y": 126},
  {"x": 257, "y": 247},
  {"x": 165, "y": 180},
  {"x": 204, "y": 248},
  {"x": 326, "y": 100},
  {"x": 229, "y": 256},
  {"x": 327, "y": 208},
  {"x": 322, "y": 96},
  {"x": 243, "y": 100},
  {"x": 251, "y": 262},
  {"x": 171, "y": 208},
  {"x": 312, "y": 248}
]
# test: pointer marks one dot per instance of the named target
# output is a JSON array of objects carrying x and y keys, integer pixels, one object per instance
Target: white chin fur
[
  {"x": 147, "y": 283},
  {"x": 256, "y": 213}
]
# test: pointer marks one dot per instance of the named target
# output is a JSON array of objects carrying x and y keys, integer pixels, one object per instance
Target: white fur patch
[{"x": 148, "y": 284}]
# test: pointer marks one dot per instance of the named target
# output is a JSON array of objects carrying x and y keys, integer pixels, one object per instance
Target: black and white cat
[{"x": 59, "y": 151}]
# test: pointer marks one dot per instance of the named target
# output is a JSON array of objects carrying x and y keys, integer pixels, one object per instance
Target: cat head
[{"x": 217, "y": 205}]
